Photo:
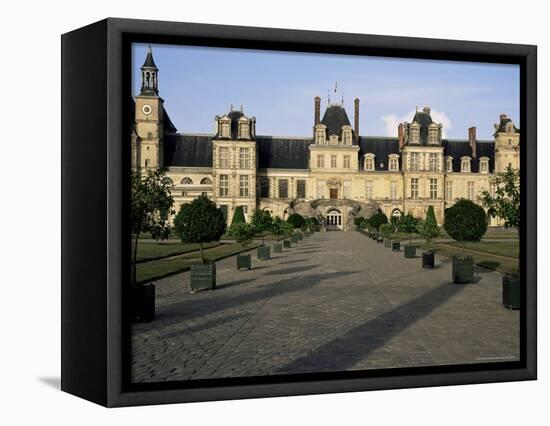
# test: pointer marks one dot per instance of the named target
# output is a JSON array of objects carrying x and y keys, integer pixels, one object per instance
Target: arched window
[
  {"x": 206, "y": 181},
  {"x": 186, "y": 181},
  {"x": 168, "y": 181}
]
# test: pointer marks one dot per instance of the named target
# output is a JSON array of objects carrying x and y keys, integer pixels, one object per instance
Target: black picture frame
[{"x": 95, "y": 191}]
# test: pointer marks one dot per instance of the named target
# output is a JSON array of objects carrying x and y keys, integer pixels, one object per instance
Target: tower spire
[{"x": 149, "y": 75}]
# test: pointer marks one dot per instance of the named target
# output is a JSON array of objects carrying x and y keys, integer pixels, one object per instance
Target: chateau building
[{"x": 335, "y": 174}]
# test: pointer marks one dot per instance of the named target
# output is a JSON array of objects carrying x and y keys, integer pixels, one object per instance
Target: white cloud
[{"x": 391, "y": 121}]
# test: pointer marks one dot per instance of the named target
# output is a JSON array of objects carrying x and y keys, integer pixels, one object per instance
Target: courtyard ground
[{"x": 336, "y": 301}]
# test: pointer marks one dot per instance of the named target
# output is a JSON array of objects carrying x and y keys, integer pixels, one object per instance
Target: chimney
[
  {"x": 356, "y": 118},
  {"x": 317, "y": 110},
  {"x": 400, "y": 136},
  {"x": 472, "y": 140}
]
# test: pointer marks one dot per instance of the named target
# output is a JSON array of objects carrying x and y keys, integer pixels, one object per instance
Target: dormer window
[
  {"x": 483, "y": 165},
  {"x": 415, "y": 133},
  {"x": 346, "y": 135},
  {"x": 320, "y": 134},
  {"x": 449, "y": 164},
  {"x": 369, "y": 162},
  {"x": 433, "y": 134},
  {"x": 225, "y": 128},
  {"x": 393, "y": 165},
  {"x": 465, "y": 164},
  {"x": 244, "y": 129},
  {"x": 509, "y": 128}
]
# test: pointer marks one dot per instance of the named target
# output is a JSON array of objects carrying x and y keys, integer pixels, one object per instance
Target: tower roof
[
  {"x": 423, "y": 118},
  {"x": 334, "y": 118},
  {"x": 149, "y": 61}
]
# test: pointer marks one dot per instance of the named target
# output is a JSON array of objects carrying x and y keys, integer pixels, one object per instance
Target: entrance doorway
[
  {"x": 334, "y": 220},
  {"x": 333, "y": 193}
]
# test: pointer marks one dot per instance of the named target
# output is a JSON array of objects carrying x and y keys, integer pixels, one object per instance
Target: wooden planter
[
  {"x": 395, "y": 246},
  {"x": 463, "y": 270},
  {"x": 264, "y": 253},
  {"x": 410, "y": 251},
  {"x": 510, "y": 292},
  {"x": 244, "y": 261},
  {"x": 203, "y": 277},
  {"x": 428, "y": 259},
  {"x": 277, "y": 248},
  {"x": 143, "y": 303},
  {"x": 387, "y": 243},
  {"x": 287, "y": 244}
]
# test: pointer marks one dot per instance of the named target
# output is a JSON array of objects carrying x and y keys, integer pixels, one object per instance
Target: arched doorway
[{"x": 334, "y": 220}]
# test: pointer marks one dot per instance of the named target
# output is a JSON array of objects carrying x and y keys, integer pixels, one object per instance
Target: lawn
[
  {"x": 155, "y": 269},
  {"x": 151, "y": 251},
  {"x": 486, "y": 254}
]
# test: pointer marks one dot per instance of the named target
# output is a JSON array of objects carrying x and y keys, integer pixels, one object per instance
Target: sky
[{"x": 198, "y": 83}]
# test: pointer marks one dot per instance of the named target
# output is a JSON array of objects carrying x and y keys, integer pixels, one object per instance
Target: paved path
[{"x": 337, "y": 301}]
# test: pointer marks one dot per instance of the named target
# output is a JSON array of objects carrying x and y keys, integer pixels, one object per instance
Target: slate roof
[
  {"x": 381, "y": 147},
  {"x": 461, "y": 148},
  {"x": 424, "y": 119},
  {"x": 149, "y": 62},
  {"x": 283, "y": 153},
  {"x": 187, "y": 150},
  {"x": 334, "y": 118},
  {"x": 501, "y": 127}
]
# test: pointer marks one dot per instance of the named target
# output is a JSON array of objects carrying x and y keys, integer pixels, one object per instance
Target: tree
[
  {"x": 296, "y": 220},
  {"x": 429, "y": 229},
  {"x": 378, "y": 219},
  {"x": 238, "y": 216},
  {"x": 358, "y": 221},
  {"x": 408, "y": 224},
  {"x": 288, "y": 229},
  {"x": 262, "y": 222},
  {"x": 152, "y": 205},
  {"x": 465, "y": 221},
  {"x": 505, "y": 202},
  {"x": 386, "y": 229},
  {"x": 277, "y": 226},
  {"x": 243, "y": 233},
  {"x": 200, "y": 222}
]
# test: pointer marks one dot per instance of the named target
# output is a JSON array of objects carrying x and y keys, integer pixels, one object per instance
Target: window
[
  {"x": 226, "y": 129},
  {"x": 283, "y": 188},
  {"x": 184, "y": 193},
  {"x": 433, "y": 162},
  {"x": 414, "y": 161},
  {"x": 470, "y": 190},
  {"x": 300, "y": 188},
  {"x": 224, "y": 186},
  {"x": 206, "y": 181},
  {"x": 168, "y": 181},
  {"x": 321, "y": 189},
  {"x": 346, "y": 137},
  {"x": 492, "y": 189},
  {"x": 450, "y": 164},
  {"x": 224, "y": 157},
  {"x": 369, "y": 163},
  {"x": 333, "y": 161},
  {"x": 321, "y": 161},
  {"x": 433, "y": 135},
  {"x": 483, "y": 166},
  {"x": 394, "y": 164},
  {"x": 415, "y": 133},
  {"x": 393, "y": 190},
  {"x": 465, "y": 165},
  {"x": 433, "y": 189},
  {"x": 509, "y": 141},
  {"x": 243, "y": 186},
  {"x": 264, "y": 187},
  {"x": 448, "y": 190},
  {"x": 224, "y": 208},
  {"x": 186, "y": 181},
  {"x": 244, "y": 130},
  {"x": 243, "y": 158},
  {"x": 204, "y": 194},
  {"x": 320, "y": 133},
  {"x": 146, "y": 162},
  {"x": 414, "y": 188},
  {"x": 346, "y": 162},
  {"x": 369, "y": 190}
]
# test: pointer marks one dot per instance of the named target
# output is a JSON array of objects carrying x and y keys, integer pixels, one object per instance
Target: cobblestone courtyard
[{"x": 336, "y": 301}]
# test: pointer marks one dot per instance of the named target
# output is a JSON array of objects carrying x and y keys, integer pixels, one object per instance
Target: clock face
[{"x": 147, "y": 109}]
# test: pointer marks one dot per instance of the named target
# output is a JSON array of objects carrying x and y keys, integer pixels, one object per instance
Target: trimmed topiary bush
[
  {"x": 465, "y": 221},
  {"x": 358, "y": 222},
  {"x": 238, "y": 216},
  {"x": 429, "y": 229},
  {"x": 296, "y": 220},
  {"x": 378, "y": 219}
]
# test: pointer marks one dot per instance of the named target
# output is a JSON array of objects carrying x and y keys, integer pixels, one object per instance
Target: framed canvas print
[{"x": 252, "y": 212}]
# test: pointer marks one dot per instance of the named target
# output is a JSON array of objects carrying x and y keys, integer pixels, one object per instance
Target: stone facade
[{"x": 335, "y": 174}]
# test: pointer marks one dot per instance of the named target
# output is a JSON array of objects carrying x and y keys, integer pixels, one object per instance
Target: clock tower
[{"x": 149, "y": 118}]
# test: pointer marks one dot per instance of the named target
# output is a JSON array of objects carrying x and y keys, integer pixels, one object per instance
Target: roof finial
[
  {"x": 231, "y": 108},
  {"x": 335, "y": 86},
  {"x": 241, "y": 107},
  {"x": 328, "y": 96},
  {"x": 149, "y": 50}
]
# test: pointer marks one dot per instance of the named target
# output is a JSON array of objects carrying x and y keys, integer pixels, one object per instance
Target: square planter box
[
  {"x": 428, "y": 259},
  {"x": 510, "y": 292},
  {"x": 395, "y": 245},
  {"x": 264, "y": 253},
  {"x": 380, "y": 239},
  {"x": 287, "y": 244},
  {"x": 203, "y": 277},
  {"x": 463, "y": 270},
  {"x": 244, "y": 261},
  {"x": 410, "y": 251},
  {"x": 299, "y": 236},
  {"x": 387, "y": 243},
  {"x": 277, "y": 248},
  {"x": 143, "y": 303},
  {"x": 294, "y": 238}
]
